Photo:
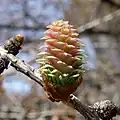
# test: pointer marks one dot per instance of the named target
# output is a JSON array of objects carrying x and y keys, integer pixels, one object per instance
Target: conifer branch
[{"x": 104, "y": 109}]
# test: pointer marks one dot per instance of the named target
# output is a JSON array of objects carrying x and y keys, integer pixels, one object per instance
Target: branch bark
[{"x": 104, "y": 109}]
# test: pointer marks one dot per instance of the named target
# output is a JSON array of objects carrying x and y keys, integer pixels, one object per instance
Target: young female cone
[{"x": 61, "y": 63}]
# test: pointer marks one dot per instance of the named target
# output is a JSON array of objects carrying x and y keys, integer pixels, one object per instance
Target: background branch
[
  {"x": 35, "y": 28},
  {"x": 99, "y": 21},
  {"x": 80, "y": 29}
]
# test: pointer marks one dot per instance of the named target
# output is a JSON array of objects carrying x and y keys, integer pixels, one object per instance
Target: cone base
[{"x": 58, "y": 93}]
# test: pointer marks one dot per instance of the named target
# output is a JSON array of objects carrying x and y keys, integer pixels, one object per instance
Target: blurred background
[{"x": 20, "y": 97}]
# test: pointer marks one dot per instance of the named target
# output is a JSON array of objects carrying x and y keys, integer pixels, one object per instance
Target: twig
[
  {"x": 75, "y": 103},
  {"x": 99, "y": 21},
  {"x": 89, "y": 112},
  {"x": 32, "y": 73},
  {"x": 22, "y": 67}
]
